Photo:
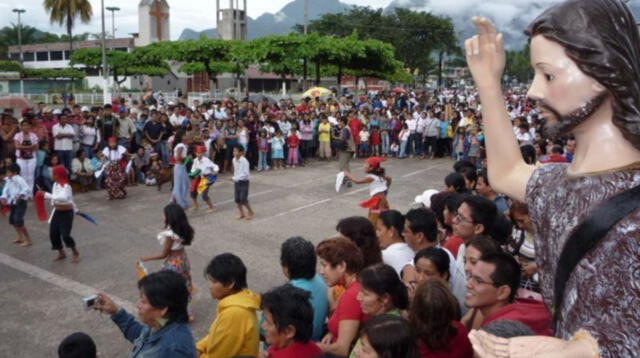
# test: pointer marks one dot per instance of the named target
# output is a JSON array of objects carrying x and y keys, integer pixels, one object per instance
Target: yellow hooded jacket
[{"x": 235, "y": 329}]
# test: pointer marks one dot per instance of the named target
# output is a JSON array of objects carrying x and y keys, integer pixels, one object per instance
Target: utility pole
[
  {"x": 306, "y": 61},
  {"x": 20, "y": 11},
  {"x": 106, "y": 95},
  {"x": 113, "y": 10}
]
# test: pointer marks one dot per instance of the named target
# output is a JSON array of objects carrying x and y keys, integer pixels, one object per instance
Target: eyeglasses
[
  {"x": 479, "y": 281},
  {"x": 461, "y": 219}
]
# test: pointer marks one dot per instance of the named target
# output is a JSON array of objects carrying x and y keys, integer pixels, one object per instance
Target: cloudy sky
[{"x": 510, "y": 15}]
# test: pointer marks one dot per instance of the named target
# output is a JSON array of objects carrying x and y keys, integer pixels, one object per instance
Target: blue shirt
[
  {"x": 15, "y": 188},
  {"x": 319, "y": 302},
  {"x": 174, "y": 340}
]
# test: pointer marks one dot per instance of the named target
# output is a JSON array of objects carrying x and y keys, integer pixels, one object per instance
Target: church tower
[
  {"x": 231, "y": 23},
  {"x": 153, "y": 22}
]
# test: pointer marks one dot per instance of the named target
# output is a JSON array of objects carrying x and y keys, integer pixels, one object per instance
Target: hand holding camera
[{"x": 102, "y": 303}]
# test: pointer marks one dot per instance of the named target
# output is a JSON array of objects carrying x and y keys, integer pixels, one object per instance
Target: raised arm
[{"x": 508, "y": 172}]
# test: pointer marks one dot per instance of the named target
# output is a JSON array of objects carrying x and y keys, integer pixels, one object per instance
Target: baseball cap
[{"x": 425, "y": 197}]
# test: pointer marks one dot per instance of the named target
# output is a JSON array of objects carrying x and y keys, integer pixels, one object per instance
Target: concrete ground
[{"x": 42, "y": 299}]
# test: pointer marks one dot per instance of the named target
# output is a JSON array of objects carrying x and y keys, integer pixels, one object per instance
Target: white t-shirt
[
  {"x": 397, "y": 255},
  {"x": 170, "y": 235},
  {"x": 114, "y": 155},
  {"x": 364, "y": 136},
  {"x": 63, "y": 143},
  {"x": 378, "y": 185}
]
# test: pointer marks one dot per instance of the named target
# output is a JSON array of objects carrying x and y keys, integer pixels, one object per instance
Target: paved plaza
[{"x": 41, "y": 299}]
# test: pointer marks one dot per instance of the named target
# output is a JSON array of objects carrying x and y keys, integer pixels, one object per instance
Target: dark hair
[
  {"x": 289, "y": 306},
  {"x": 502, "y": 229},
  {"x": 471, "y": 175},
  {"x": 484, "y": 174},
  {"x": 437, "y": 256},
  {"x": 177, "y": 138},
  {"x": 601, "y": 37},
  {"x": 227, "y": 268},
  {"x": 528, "y": 153},
  {"x": 432, "y": 310},
  {"x": 344, "y": 120},
  {"x": 438, "y": 204},
  {"x": 423, "y": 221},
  {"x": 506, "y": 272},
  {"x": 338, "y": 250},
  {"x": 14, "y": 168},
  {"x": 299, "y": 257},
  {"x": 361, "y": 231},
  {"x": 167, "y": 289},
  {"x": 453, "y": 202},
  {"x": 384, "y": 280},
  {"x": 557, "y": 149},
  {"x": 391, "y": 337},
  {"x": 77, "y": 345},
  {"x": 239, "y": 147},
  {"x": 456, "y": 180},
  {"x": 507, "y": 329},
  {"x": 392, "y": 219},
  {"x": 485, "y": 244},
  {"x": 483, "y": 211},
  {"x": 176, "y": 220},
  {"x": 461, "y": 164}
]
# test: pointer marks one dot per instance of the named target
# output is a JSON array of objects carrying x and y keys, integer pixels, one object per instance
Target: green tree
[
  {"x": 279, "y": 54},
  {"x": 66, "y": 12},
  {"x": 518, "y": 65},
  {"x": 123, "y": 64}
]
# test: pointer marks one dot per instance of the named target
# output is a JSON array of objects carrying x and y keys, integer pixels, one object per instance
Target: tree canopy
[{"x": 141, "y": 61}]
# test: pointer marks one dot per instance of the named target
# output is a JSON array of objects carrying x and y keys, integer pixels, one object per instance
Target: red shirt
[
  {"x": 459, "y": 346},
  {"x": 356, "y": 126},
  {"x": 453, "y": 244},
  {"x": 375, "y": 138},
  {"x": 348, "y": 308},
  {"x": 293, "y": 141},
  {"x": 296, "y": 350},
  {"x": 555, "y": 158},
  {"x": 531, "y": 313}
]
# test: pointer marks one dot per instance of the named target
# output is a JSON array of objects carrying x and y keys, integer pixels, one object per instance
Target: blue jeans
[
  {"x": 262, "y": 161},
  {"x": 163, "y": 151},
  {"x": 418, "y": 143},
  {"x": 403, "y": 149},
  {"x": 88, "y": 151},
  {"x": 66, "y": 157},
  {"x": 385, "y": 142}
]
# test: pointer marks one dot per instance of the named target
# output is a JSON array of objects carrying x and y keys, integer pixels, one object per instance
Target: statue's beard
[{"x": 564, "y": 125}]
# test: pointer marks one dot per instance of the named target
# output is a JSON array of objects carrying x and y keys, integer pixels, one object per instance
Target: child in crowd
[
  {"x": 403, "y": 137},
  {"x": 15, "y": 194},
  {"x": 263, "y": 150},
  {"x": 234, "y": 332},
  {"x": 47, "y": 175},
  {"x": 241, "y": 182},
  {"x": 474, "y": 145},
  {"x": 154, "y": 170},
  {"x": 141, "y": 161},
  {"x": 364, "y": 143},
  {"x": 374, "y": 142},
  {"x": 97, "y": 163},
  {"x": 41, "y": 157},
  {"x": 277, "y": 150},
  {"x": 293, "y": 142}
]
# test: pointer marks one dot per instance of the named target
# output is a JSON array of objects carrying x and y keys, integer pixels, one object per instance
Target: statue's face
[{"x": 566, "y": 96}]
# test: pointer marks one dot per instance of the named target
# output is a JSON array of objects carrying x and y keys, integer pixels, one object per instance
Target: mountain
[
  {"x": 510, "y": 16},
  {"x": 280, "y": 23}
]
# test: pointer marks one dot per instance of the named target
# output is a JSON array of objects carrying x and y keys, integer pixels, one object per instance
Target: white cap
[
  {"x": 171, "y": 103},
  {"x": 85, "y": 109},
  {"x": 425, "y": 197},
  {"x": 57, "y": 111}
]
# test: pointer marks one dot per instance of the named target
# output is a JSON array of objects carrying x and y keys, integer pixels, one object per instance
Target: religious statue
[{"x": 586, "y": 58}]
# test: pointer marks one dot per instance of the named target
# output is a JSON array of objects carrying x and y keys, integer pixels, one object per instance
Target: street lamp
[
  {"x": 113, "y": 10},
  {"x": 20, "y": 11},
  {"x": 106, "y": 95}
]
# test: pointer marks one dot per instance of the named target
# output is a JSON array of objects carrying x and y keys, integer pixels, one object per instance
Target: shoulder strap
[{"x": 586, "y": 236}]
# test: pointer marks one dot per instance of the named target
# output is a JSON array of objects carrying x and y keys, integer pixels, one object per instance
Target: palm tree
[{"x": 65, "y": 12}]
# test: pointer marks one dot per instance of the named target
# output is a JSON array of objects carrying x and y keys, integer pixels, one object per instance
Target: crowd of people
[{"x": 392, "y": 285}]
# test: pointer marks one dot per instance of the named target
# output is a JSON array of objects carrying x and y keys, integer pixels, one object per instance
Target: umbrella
[
  {"x": 316, "y": 92},
  {"x": 399, "y": 90},
  {"x": 257, "y": 98}
]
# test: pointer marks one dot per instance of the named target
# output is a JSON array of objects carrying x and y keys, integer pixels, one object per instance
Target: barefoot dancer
[
  {"x": 378, "y": 186},
  {"x": 241, "y": 181},
  {"x": 205, "y": 172},
  {"x": 61, "y": 220},
  {"x": 15, "y": 194}
]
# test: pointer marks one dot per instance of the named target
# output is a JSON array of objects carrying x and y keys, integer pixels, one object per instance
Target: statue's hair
[{"x": 602, "y": 38}]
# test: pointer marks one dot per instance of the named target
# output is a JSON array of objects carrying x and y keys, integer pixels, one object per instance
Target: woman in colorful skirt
[
  {"x": 378, "y": 186},
  {"x": 177, "y": 234},
  {"x": 180, "y": 175},
  {"x": 115, "y": 181}
]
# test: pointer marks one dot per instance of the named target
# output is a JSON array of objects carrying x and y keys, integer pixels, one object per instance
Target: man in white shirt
[
  {"x": 412, "y": 125},
  {"x": 63, "y": 134},
  {"x": 431, "y": 132},
  {"x": 421, "y": 124}
]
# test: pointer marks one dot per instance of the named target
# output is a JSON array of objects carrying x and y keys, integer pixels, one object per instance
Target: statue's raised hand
[{"x": 485, "y": 54}]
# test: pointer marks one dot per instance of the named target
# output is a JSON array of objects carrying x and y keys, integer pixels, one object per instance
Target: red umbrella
[{"x": 399, "y": 90}]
